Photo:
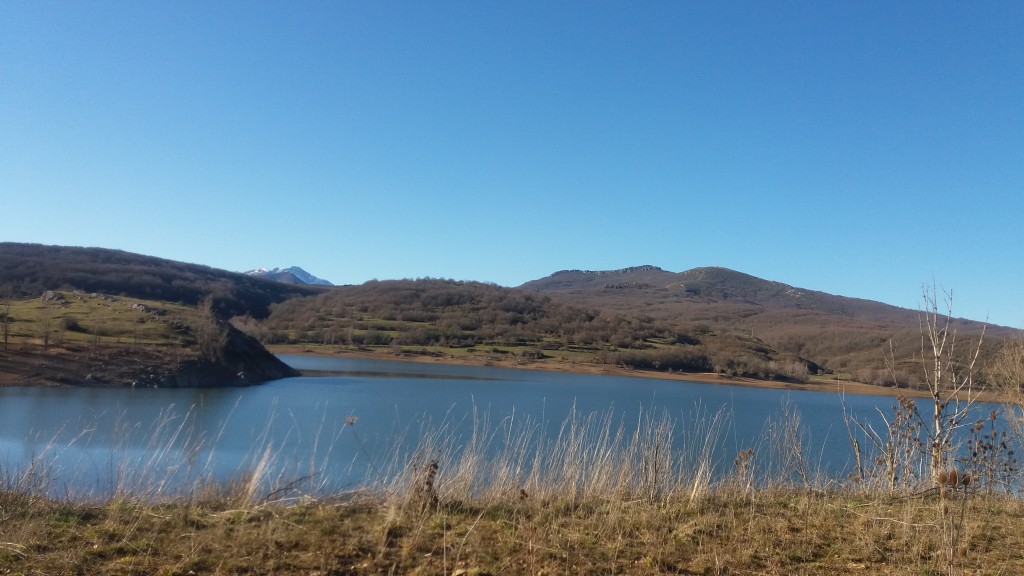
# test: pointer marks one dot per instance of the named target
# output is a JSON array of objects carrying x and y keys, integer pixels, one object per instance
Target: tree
[
  {"x": 918, "y": 437},
  {"x": 7, "y": 319},
  {"x": 1007, "y": 372},
  {"x": 949, "y": 375},
  {"x": 1007, "y": 369},
  {"x": 45, "y": 319},
  {"x": 210, "y": 333}
]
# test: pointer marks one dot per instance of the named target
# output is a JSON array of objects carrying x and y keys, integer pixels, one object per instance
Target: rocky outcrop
[{"x": 244, "y": 361}]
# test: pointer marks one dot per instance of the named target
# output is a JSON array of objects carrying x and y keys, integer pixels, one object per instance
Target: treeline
[
  {"x": 445, "y": 313},
  {"x": 430, "y": 312},
  {"x": 861, "y": 339},
  {"x": 28, "y": 270}
]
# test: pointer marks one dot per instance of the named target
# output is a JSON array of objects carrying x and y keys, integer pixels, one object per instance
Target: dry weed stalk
[
  {"x": 896, "y": 459},
  {"x": 954, "y": 488},
  {"x": 990, "y": 455}
]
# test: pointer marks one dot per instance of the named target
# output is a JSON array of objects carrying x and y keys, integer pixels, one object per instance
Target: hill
[
  {"x": 104, "y": 317},
  {"x": 839, "y": 333},
  {"x": 28, "y": 270},
  {"x": 489, "y": 323},
  {"x": 701, "y": 320},
  {"x": 708, "y": 285}
]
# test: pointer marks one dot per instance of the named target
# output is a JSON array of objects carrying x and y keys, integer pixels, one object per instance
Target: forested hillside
[
  {"x": 848, "y": 335},
  {"x": 427, "y": 315},
  {"x": 31, "y": 269},
  {"x": 701, "y": 320}
]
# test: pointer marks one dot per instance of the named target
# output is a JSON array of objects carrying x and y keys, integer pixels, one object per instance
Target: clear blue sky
[{"x": 859, "y": 148}]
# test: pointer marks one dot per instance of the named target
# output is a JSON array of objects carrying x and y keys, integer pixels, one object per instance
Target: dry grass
[
  {"x": 769, "y": 532},
  {"x": 601, "y": 496}
]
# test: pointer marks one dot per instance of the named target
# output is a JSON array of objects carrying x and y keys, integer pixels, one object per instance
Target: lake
[{"x": 363, "y": 418}]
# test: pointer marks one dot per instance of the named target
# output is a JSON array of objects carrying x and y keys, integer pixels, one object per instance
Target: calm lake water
[{"x": 87, "y": 441}]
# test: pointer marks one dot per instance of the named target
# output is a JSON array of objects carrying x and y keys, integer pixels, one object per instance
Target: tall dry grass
[
  {"x": 590, "y": 456},
  {"x": 594, "y": 493},
  {"x": 598, "y": 455}
]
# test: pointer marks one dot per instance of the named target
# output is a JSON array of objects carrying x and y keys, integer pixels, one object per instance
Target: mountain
[
  {"x": 650, "y": 287},
  {"x": 841, "y": 333},
  {"x": 292, "y": 275}
]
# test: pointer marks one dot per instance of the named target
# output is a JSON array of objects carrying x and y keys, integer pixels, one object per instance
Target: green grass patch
[{"x": 84, "y": 318}]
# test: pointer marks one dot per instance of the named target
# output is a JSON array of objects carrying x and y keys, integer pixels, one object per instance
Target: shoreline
[{"x": 550, "y": 365}]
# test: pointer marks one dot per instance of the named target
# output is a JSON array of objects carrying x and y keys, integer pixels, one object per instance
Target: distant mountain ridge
[
  {"x": 710, "y": 284},
  {"x": 841, "y": 332},
  {"x": 290, "y": 275}
]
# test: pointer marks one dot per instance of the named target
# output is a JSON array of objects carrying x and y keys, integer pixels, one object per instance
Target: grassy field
[
  {"x": 75, "y": 338},
  {"x": 78, "y": 338},
  {"x": 766, "y": 532},
  {"x": 76, "y": 317}
]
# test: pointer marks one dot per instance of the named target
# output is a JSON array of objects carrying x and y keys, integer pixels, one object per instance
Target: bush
[
  {"x": 680, "y": 359},
  {"x": 70, "y": 323}
]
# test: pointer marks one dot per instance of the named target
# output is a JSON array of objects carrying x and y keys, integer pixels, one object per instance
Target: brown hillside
[{"x": 838, "y": 332}]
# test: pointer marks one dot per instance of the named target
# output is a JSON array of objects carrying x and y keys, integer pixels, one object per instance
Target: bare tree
[
  {"x": 918, "y": 437},
  {"x": 45, "y": 319},
  {"x": 211, "y": 334},
  {"x": 1007, "y": 372},
  {"x": 948, "y": 365},
  {"x": 7, "y": 319},
  {"x": 1007, "y": 368}
]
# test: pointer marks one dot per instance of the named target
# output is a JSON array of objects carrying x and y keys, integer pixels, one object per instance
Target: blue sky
[{"x": 858, "y": 148}]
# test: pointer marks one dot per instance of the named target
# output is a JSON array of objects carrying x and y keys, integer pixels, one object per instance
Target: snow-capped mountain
[{"x": 292, "y": 275}]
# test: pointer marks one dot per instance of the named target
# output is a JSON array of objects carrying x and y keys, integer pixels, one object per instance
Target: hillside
[
  {"x": 840, "y": 333},
  {"x": 27, "y": 270},
  {"x": 702, "y": 320},
  {"x": 92, "y": 316},
  {"x": 708, "y": 285},
  {"x": 489, "y": 323}
]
